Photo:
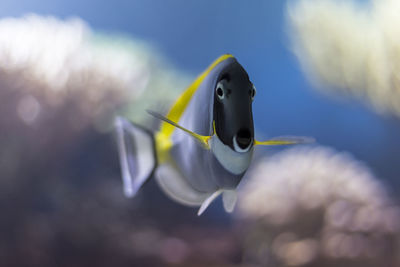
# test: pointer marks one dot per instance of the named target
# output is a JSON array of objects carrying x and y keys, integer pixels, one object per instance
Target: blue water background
[{"x": 193, "y": 33}]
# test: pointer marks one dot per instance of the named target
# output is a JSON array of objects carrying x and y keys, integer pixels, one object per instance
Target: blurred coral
[
  {"x": 350, "y": 47},
  {"x": 316, "y": 207},
  {"x": 58, "y": 78},
  {"x": 51, "y": 63}
]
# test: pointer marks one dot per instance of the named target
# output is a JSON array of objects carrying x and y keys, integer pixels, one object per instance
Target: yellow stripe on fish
[{"x": 163, "y": 136}]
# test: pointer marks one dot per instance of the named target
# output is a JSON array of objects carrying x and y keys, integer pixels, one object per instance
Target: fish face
[{"x": 233, "y": 116}]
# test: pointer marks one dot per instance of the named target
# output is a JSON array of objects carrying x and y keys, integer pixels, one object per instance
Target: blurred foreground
[{"x": 60, "y": 185}]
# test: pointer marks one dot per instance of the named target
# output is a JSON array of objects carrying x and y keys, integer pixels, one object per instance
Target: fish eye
[
  {"x": 253, "y": 92},
  {"x": 220, "y": 91}
]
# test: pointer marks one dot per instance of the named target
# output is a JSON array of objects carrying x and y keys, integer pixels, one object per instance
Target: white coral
[
  {"x": 350, "y": 47},
  {"x": 56, "y": 58}
]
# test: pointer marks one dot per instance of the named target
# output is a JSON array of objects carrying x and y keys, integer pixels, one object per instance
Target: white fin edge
[
  {"x": 229, "y": 198},
  {"x": 144, "y": 156},
  {"x": 126, "y": 176},
  {"x": 208, "y": 201}
]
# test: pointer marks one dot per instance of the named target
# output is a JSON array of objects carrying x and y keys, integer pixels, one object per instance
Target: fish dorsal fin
[
  {"x": 202, "y": 139},
  {"x": 285, "y": 140},
  {"x": 229, "y": 198},
  {"x": 183, "y": 100},
  {"x": 208, "y": 201}
]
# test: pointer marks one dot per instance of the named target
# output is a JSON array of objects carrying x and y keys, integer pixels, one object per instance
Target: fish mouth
[
  {"x": 242, "y": 141},
  {"x": 231, "y": 160}
]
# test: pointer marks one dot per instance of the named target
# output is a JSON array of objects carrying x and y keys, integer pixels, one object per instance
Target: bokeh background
[{"x": 326, "y": 69}]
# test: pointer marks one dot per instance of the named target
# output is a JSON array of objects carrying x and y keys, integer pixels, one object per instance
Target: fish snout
[{"x": 242, "y": 140}]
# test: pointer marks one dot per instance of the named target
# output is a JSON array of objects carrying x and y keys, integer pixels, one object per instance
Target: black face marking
[
  {"x": 226, "y": 76},
  {"x": 233, "y": 115}
]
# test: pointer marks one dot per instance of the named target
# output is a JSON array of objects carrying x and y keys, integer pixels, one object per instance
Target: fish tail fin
[{"x": 136, "y": 148}]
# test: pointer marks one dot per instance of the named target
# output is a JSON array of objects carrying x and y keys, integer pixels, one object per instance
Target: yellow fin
[
  {"x": 203, "y": 140},
  {"x": 285, "y": 140},
  {"x": 183, "y": 100},
  {"x": 214, "y": 131}
]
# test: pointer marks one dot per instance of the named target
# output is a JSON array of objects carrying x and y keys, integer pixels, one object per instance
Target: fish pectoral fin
[
  {"x": 285, "y": 140},
  {"x": 229, "y": 198},
  {"x": 208, "y": 201},
  {"x": 202, "y": 139}
]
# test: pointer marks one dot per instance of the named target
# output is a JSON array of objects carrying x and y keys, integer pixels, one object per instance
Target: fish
[{"x": 205, "y": 143}]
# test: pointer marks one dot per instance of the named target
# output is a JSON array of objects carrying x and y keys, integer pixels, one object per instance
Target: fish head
[{"x": 233, "y": 116}]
